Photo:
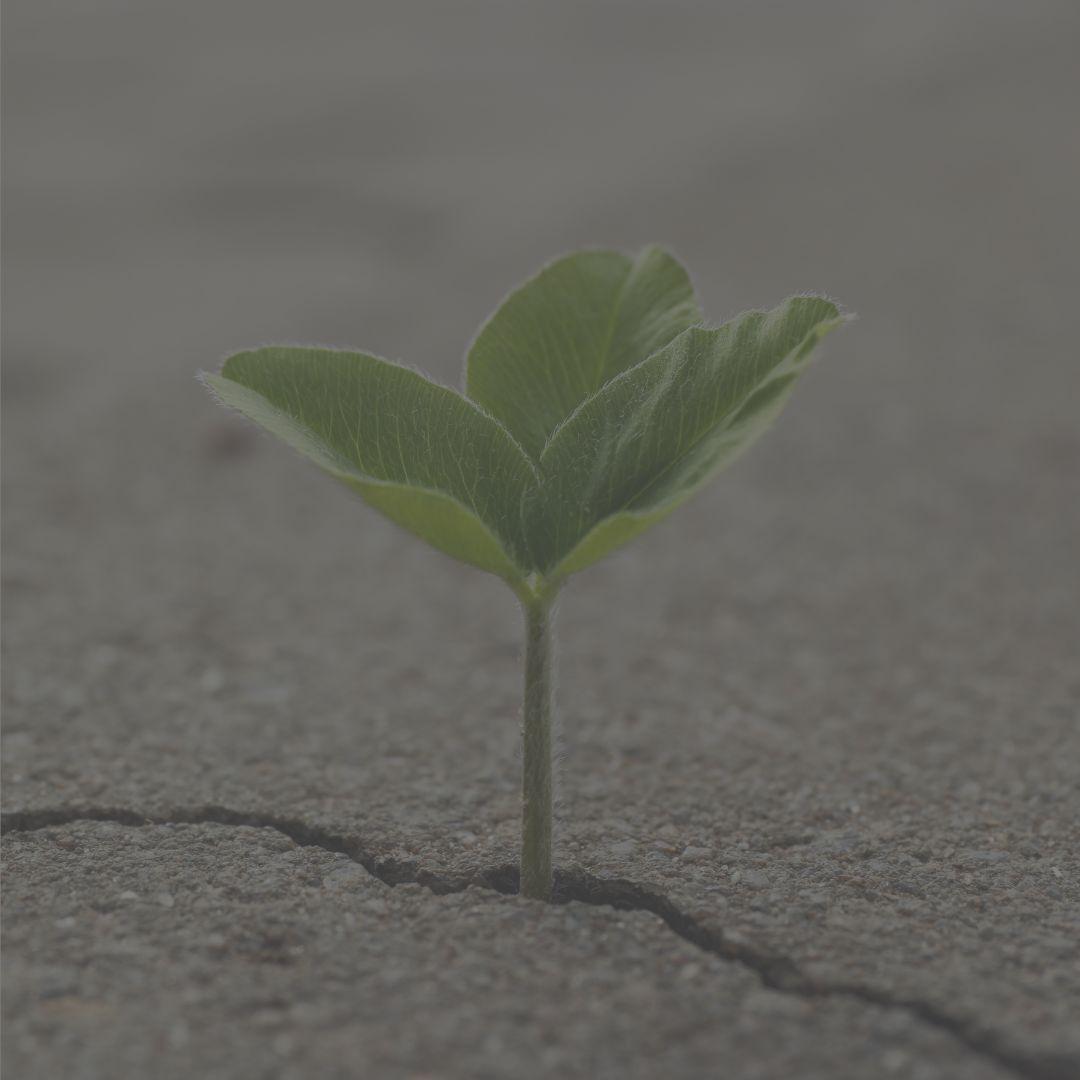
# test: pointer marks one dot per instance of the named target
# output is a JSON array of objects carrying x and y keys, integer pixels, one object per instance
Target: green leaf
[
  {"x": 565, "y": 333},
  {"x": 598, "y": 404},
  {"x": 654, "y": 434},
  {"x": 421, "y": 453}
]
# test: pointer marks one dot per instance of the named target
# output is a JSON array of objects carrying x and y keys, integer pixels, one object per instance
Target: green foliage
[
  {"x": 421, "y": 453},
  {"x": 596, "y": 403},
  {"x": 650, "y": 437},
  {"x": 560, "y": 337}
]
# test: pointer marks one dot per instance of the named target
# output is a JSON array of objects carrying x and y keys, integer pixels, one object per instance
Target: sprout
[{"x": 596, "y": 402}]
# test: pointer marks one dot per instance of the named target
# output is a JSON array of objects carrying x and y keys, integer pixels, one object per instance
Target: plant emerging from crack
[{"x": 596, "y": 401}]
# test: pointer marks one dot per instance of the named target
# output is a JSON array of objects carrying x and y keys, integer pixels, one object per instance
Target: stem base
[{"x": 536, "y": 778}]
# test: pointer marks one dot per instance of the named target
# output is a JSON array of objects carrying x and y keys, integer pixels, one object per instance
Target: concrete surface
[
  {"x": 220, "y": 952},
  {"x": 823, "y": 722}
]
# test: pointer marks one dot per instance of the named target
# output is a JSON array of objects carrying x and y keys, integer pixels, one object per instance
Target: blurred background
[
  {"x": 185, "y": 180},
  {"x": 859, "y": 641}
]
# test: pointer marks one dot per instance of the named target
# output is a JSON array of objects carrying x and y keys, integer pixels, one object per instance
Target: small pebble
[
  {"x": 696, "y": 854},
  {"x": 348, "y": 876}
]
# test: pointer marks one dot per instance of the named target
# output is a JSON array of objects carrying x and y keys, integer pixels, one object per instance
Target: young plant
[{"x": 595, "y": 402}]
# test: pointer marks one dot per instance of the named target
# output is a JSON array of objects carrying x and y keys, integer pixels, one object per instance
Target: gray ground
[{"x": 821, "y": 729}]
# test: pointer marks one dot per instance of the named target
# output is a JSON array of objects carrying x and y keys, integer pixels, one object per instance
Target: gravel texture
[
  {"x": 231, "y": 952},
  {"x": 824, "y": 723}
]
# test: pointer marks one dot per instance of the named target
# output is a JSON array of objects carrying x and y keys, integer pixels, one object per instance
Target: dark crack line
[{"x": 777, "y": 972}]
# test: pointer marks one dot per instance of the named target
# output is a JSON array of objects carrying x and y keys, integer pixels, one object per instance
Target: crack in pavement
[{"x": 777, "y": 972}]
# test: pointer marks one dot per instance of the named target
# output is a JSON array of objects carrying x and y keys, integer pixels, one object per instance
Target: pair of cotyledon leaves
[{"x": 595, "y": 402}]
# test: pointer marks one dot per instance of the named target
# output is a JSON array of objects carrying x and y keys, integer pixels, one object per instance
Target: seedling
[{"x": 595, "y": 402}]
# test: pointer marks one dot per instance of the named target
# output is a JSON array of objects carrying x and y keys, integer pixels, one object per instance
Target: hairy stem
[{"x": 536, "y": 780}]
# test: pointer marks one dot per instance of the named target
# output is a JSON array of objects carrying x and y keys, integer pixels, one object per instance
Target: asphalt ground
[{"x": 819, "y": 809}]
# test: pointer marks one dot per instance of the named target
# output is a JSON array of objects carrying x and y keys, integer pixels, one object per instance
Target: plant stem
[{"x": 536, "y": 781}]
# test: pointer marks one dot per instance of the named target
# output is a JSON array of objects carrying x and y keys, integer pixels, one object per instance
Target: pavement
[{"x": 819, "y": 795}]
